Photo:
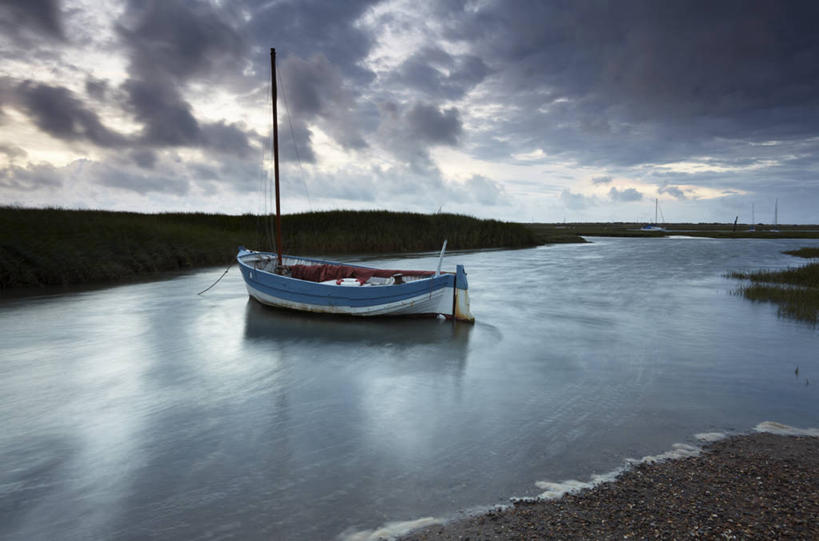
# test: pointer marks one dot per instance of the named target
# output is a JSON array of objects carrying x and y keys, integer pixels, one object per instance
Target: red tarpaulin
[{"x": 326, "y": 271}]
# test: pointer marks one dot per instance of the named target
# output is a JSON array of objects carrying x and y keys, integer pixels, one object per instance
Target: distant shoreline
[
  {"x": 760, "y": 486},
  {"x": 710, "y": 230}
]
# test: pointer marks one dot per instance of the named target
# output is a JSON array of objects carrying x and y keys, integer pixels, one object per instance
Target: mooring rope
[{"x": 217, "y": 280}]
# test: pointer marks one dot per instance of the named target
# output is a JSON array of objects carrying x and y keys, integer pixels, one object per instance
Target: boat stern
[{"x": 461, "y": 308}]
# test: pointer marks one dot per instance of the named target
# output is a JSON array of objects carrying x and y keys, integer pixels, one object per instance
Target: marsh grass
[
  {"x": 795, "y": 290},
  {"x": 807, "y": 253},
  {"x": 41, "y": 247},
  {"x": 804, "y": 276},
  {"x": 793, "y": 302}
]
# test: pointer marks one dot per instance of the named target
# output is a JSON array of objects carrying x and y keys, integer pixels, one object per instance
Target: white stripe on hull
[{"x": 436, "y": 302}]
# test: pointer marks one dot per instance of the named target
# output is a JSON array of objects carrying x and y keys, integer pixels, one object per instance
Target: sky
[{"x": 543, "y": 111}]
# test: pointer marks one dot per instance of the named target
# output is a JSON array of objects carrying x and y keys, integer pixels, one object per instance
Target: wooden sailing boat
[{"x": 315, "y": 285}]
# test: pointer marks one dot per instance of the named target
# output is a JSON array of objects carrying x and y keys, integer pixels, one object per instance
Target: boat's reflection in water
[{"x": 333, "y": 334}]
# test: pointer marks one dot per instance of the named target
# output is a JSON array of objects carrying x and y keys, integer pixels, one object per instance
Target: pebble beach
[{"x": 756, "y": 486}]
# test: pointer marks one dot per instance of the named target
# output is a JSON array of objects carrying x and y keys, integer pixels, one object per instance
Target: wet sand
[{"x": 758, "y": 486}]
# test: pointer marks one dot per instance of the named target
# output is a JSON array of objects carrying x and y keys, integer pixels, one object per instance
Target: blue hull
[{"x": 421, "y": 295}]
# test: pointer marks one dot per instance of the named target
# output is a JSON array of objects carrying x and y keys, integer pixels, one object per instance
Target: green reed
[
  {"x": 795, "y": 290},
  {"x": 807, "y": 253}
]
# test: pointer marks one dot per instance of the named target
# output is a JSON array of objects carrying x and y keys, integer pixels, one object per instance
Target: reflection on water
[
  {"x": 265, "y": 323},
  {"x": 146, "y": 411}
]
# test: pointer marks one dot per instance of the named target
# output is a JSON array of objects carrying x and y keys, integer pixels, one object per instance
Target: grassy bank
[
  {"x": 61, "y": 247},
  {"x": 807, "y": 253},
  {"x": 554, "y": 233},
  {"x": 795, "y": 291}
]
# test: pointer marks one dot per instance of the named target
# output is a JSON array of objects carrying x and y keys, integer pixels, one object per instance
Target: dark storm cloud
[
  {"x": 42, "y": 17},
  {"x": 313, "y": 90},
  {"x": 167, "y": 118},
  {"x": 313, "y": 86},
  {"x": 625, "y": 195},
  {"x": 409, "y": 131},
  {"x": 59, "y": 113},
  {"x": 627, "y": 81},
  {"x": 306, "y": 28},
  {"x": 428, "y": 123},
  {"x": 227, "y": 138},
  {"x": 144, "y": 158},
  {"x": 438, "y": 74},
  {"x": 179, "y": 39},
  {"x": 96, "y": 88},
  {"x": 673, "y": 191},
  {"x": 295, "y": 142},
  {"x": 169, "y": 45},
  {"x": 30, "y": 178},
  {"x": 172, "y": 44}
]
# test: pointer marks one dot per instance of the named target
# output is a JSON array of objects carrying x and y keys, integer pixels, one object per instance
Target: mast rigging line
[
  {"x": 293, "y": 139},
  {"x": 264, "y": 220}
]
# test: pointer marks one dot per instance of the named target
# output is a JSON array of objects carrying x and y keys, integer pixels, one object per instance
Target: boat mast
[
  {"x": 274, "y": 92},
  {"x": 656, "y": 205}
]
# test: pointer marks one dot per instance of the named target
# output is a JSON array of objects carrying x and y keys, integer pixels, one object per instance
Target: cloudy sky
[{"x": 516, "y": 110}]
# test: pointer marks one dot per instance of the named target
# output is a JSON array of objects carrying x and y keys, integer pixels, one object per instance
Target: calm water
[{"x": 145, "y": 411}]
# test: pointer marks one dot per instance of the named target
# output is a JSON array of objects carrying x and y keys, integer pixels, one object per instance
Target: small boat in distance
[
  {"x": 331, "y": 287},
  {"x": 654, "y": 226}
]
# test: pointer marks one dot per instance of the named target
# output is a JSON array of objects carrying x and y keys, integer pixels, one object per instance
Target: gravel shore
[{"x": 758, "y": 486}]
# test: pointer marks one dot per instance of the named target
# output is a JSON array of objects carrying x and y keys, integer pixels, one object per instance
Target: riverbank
[
  {"x": 757, "y": 486},
  {"x": 57, "y": 247}
]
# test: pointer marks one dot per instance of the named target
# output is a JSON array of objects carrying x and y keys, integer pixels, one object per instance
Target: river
[{"x": 144, "y": 411}]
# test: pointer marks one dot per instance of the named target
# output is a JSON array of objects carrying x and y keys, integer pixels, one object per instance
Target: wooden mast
[{"x": 274, "y": 92}]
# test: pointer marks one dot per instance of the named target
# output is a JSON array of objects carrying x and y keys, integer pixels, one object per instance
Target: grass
[
  {"x": 807, "y": 253},
  {"x": 805, "y": 276},
  {"x": 795, "y": 290},
  {"x": 795, "y": 303},
  {"x": 41, "y": 247}
]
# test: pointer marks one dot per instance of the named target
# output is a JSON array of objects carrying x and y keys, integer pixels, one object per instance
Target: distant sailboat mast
[
  {"x": 654, "y": 226},
  {"x": 753, "y": 218},
  {"x": 776, "y": 216}
]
